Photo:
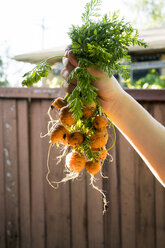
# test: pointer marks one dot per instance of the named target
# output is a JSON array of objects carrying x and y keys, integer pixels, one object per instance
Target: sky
[{"x": 21, "y": 26}]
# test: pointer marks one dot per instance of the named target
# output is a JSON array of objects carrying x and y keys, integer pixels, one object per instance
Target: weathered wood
[
  {"x": 2, "y": 182},
  {"x": 112, "y": 234},
  {"x": 32, "y": 92},
  {"x": 159, "y": 114},
  {"x": 147, "y": 95},
  {"x": 79, "y": 212},
  {"x": 11, "y": 173},
  {"x": 145, "y": 202},
  {"x": 57, "y": 201},
  {"x": 95, "y": 214},
  {"x": 37, "y": 194},
  {"x": 48, "y": 93},
  {"x": 127, "y": 192},
  {"x": 24, "y": 173}
]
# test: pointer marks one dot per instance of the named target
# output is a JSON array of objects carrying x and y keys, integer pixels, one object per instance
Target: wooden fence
[{"x": 34, "y": 215}]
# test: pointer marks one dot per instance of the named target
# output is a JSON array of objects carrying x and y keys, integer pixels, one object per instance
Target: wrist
[{"x": 115, "y": 107}]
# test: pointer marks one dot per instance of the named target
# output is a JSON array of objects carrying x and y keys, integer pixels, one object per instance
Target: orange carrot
[
  {"x": 59, "y": 103},
  {"x": 76, "y": 138},
  {"x": 99, "y": 139},
  {"x": 75, "y": 161},
  {"x": 59, "y": 134},
  {"x": 102, "y": 153},
  {"x": 66, "y": 117},
  {"x": 93, "y": 167},
  {"x": 100, "y": 122},
  {"x": 89, "y": 110}
]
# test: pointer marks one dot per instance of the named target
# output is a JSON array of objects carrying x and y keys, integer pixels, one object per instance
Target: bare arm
[{"x": 145, "y": 134}]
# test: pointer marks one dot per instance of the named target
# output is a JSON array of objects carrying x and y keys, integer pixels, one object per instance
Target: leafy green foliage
[
  {"x": 104, "y": 43},
  {"x": 84, "y": 92},
  {"x": 35, "y": 75},
  {"x": 151, "y": 81},
  {"x": 91, "y": 9}
]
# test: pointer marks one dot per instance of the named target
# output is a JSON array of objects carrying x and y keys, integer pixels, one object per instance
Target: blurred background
[{"x": 38, "y": 29}]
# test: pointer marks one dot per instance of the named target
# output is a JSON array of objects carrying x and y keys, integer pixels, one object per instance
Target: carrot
[
  {"x": 59, "y": 103},
  {"x": 99, "y": 139},
  {"x": 102, "y": 153},
  {"x": 66, "y": 117},
  {"x": 100, "y": 122},
  {"x": 76, "y": 138},
  {"x": 89, "y": 110},
  {"x": 93, "y": 167},
  {"x": 75, "y": 161},
  {"x": 59, "y": 134}
]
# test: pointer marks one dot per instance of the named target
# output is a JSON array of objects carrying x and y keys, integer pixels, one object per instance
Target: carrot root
[
  {"x": 92, "y": 180},
  {"x": 48, "y": 169},
  {"x": 102, "y": 175},
  {"x": 69, "y": 176},
  {"x": 64, "y": 152}
]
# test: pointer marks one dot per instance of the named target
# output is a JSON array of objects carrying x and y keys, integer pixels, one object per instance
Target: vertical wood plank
[
  {"x": 95, "y": 214},
  {"x": 127, "y": 192},
  {"x": 11, "y": 173},
  {"x": 145, "y": 202},
  {"x": 111, "y": 186},
  {"x": 37, "y": 194},
  {"x": 159, "y": 114},
  {"x": 57, "y": 201},
  {"x": 2, "y": 182},
  {"x": 24, "y": 173},
  {"x": 79, "y": 212}
]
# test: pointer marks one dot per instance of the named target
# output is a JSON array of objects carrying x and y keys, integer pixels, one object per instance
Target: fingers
[
  {"x": 70, "y": 56},
  {"x": 72, "y": 59},
  {"x": 69, "y": 62},
  {"x": 68, "y": 87}
]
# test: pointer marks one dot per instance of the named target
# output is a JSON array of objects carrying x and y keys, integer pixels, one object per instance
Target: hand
[{"x": 109, "y": 90}]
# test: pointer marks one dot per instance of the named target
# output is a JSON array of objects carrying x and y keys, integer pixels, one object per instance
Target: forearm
[{"x": 144, "y": 132}]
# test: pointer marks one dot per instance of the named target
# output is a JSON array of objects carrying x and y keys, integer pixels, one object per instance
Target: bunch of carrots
[
  {"x": 62, "y": 132},
  {"x": 86, "y": 139}
]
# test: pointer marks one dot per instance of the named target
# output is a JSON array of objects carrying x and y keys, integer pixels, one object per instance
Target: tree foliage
[
  {"x": 148, "y": 13},
  {"x": 151, "y": 81}
]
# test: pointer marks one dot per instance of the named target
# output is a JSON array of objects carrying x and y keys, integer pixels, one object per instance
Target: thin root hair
[
  {"x": 105, "y": 203},
  {"x": 64, "y": 151}
]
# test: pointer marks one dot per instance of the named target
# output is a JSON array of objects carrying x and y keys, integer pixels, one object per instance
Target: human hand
[{"x": 109, "y": 91}]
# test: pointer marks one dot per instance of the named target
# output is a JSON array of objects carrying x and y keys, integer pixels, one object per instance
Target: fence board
[
  {"x": 24, "y": 173},
  {"x": 2, "y": 182},
  {"x": 79, "y": 212},
  {"x": 94, "y": 214},
  {"x": 47, "y": 93},
  {"x": 11, "y": 173},
  {"x": 145, "y": 202},
  {"x": 111, "y": 187},
  {"x": 159, "y": 114},
  {"x": 37, "y": 199},
  {"x": 57, "y": 201},
  {"x": 127, "y": 193}
]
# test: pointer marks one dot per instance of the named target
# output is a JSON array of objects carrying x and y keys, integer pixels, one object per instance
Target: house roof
[{"x": 155, "y": 38}]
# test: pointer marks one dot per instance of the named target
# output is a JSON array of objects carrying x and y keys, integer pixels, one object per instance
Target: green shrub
[{"x": 151, "y": 81}]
